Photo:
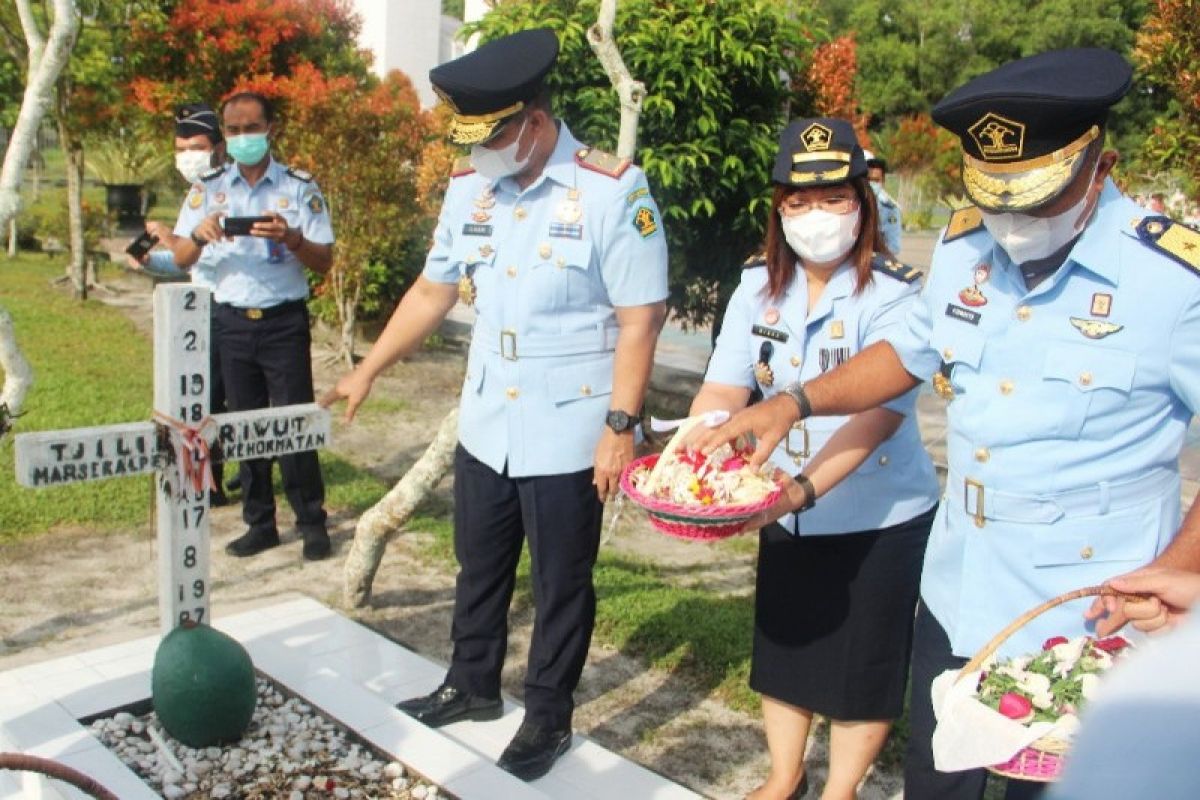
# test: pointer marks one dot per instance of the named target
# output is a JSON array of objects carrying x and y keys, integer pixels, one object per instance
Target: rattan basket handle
[{"x": 1018, "y": 623}]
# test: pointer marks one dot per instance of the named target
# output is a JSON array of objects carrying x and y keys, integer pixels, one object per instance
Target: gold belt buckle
[
  {"x": 968, "y": 485},
  {"x": 508, "y": 345},
  {"x": 254, "y": 313},
  {"x": 803, "y": 453}
]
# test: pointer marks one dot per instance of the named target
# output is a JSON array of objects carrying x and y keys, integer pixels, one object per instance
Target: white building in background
[{"x": 412, "y": 36}]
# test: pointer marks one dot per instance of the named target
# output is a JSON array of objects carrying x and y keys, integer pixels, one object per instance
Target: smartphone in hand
[
  {"x": 240, "y": 226},
  {"x": 141, "y": 245}
]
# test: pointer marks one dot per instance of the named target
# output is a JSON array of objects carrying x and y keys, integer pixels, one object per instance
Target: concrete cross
[{"x": 181, "y": 358}]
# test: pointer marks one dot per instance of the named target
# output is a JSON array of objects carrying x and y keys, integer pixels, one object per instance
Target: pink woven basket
[{"x": 698, "y": 523}]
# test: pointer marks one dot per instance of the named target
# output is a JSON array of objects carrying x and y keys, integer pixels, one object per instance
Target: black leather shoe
[
  {"x": 534, "y": 750},
  {"x": 234, "y": 484},
  {"x": 217, "y": 498},
  {"x": 447, "y": 704},
  {"x": 316, "y": 543},
  {"x": 252, "y": 543}
]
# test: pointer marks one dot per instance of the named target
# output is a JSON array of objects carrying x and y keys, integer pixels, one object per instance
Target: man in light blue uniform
[
  {"x": 560, "y": 250},
  {"x": 1071, "y": 324},
  {"x": 199, "y": 147},
  {"x": 260, "y": 317},
  {"x": 890, "y": 224}
]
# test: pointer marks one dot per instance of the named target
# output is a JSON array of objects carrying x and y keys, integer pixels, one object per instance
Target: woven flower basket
[
  {"x": 1041, "y": 761},
  {"x": 698, "y": 523}
]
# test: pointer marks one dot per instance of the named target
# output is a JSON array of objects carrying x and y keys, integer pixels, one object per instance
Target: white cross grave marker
[{"x": 181, "y": 358}]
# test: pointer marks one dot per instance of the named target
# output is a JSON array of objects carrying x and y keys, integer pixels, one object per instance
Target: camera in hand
[
  {"x": 141, "y": 245},
  {"x": 240, "y": 226}
]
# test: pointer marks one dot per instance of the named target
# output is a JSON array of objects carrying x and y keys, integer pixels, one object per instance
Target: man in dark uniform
[
  {"x": 560, "y": 250},
  {"x": 260, "y": 320}
]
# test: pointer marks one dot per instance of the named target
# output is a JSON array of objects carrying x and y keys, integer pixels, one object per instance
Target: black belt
[{"x": 263, "y": 313}]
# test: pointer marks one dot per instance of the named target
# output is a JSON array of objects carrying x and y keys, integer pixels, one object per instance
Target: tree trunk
[
  {"x": 12, "y": 238},
  {"x": 77, "y": 265},
  {"x": 47, "y": 57},
  {"x": 630, "y": 92},
  {"x": 387, "y": 516},
  {"x": 18, "y": 375}
]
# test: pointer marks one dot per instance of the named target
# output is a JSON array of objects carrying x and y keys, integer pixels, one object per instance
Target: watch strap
[
  {"x": 810, "y": 492},
  {"x": 796, "y": 392}
]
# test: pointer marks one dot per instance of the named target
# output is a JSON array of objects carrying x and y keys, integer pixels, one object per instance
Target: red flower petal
[
  {"x": 1054, "y": 640},
  {"x": 1014, "y": 706},
  {"x": 1113, "y": 644}
]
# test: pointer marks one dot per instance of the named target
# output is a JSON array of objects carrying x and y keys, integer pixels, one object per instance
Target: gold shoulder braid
[
  {"x": 1174, "y": 240},
  {"x": 963, "y": 221}
]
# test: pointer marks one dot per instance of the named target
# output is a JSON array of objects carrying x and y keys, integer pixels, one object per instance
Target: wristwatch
[
  {"x": 795, "y": 390},
  {"x": 620, "y": 421},
  {"x": 810, "y": 492},
  {"x": 199, "y": 240}
]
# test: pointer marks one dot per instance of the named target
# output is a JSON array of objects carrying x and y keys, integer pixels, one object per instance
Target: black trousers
[
  {"x": 493, "y": 514},
  {"x": 922, "y": 781},
  {"x": 267, "y": 362},
  {"x": 216, "y": 395}
]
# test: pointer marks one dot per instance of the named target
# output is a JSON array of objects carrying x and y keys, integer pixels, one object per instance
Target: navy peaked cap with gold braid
[
  {"x": 818, "y": 152},
  {"x": 494, "y": 82},
  {"x": 1025, "y": 126}
]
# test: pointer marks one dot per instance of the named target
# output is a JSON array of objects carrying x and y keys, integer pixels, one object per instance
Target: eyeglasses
[{"x": 795, "y": 206}]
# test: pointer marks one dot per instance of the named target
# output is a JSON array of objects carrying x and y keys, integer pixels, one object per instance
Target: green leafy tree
[
  {"x": 718, "y": 92},
  {"x": 1168, "y": 57}
]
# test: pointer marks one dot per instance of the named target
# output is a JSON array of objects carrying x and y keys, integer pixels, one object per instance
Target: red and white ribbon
[{"x": 192, "y": 456}]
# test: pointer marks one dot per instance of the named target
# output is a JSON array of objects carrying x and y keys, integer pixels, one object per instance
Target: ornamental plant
[{"x": 1052, "y": 685}]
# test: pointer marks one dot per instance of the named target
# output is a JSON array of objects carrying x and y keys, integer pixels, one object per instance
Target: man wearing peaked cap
[
  {"x": 559, "y": 249},
  {"x": 1068, "y": 322},
  {"x": 890, "y": 223}
]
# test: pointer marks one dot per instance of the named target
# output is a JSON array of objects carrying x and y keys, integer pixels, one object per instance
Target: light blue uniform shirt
[
  {"x": 890, "y": 224},
  {"x": 897, "y": 482},
  {"x": 252, "y": 272},
  {"x": 161, "y": 264},
  {"x": 549, "y": 265},
  {"x": 1070, "y": 406}
]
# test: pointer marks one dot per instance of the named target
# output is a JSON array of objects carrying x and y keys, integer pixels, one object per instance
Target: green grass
[{"x": 92, "y": 367}]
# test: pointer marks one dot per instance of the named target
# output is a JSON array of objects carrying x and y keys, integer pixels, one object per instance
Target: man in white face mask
[
  {"x": 199, "y": 146},
  {"x": 559, "y": 250},
  {"x": 1069, "y": 323}
]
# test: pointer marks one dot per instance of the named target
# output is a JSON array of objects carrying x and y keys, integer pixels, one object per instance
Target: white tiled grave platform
[{"x": 346, "y": 670}]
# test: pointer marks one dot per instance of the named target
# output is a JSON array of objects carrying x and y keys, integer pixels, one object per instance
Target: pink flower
[
  {"x": 735, "y": 463},
  {"x": 1113, "y": 644},
  {"x": 1054, "y": 641},
  {"x": 1016, "y": 707}
]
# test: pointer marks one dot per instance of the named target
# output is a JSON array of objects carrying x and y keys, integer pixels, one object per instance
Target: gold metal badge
[
  {"x": 1101, "y": 304},
  {"x": 466, "y": 290},
  {"x": 997, "y": 138},
  {"x": 837, "y": 329},
  {"x": 764, "y": 374},
  {"x": 1095, "y": 328},
  {"x": 942, "y": 386},
  {"x": 816, "y": 137}
]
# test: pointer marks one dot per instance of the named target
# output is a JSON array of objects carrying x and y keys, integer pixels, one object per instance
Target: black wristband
[
  {"x": 199, "y": 240},
  {"x": 810, "y": 491}
]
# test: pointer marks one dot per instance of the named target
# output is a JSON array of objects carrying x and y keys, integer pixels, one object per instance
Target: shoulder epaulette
[
  {"x": 300, "y": 174},
  {"x": 964, "y": 221},
  {"x": 894, "y": 269},
  {"x": 462, "y": 166},
  {"x": 1173, "y": 239},
  {"x": 757, "y": 259},
  {"x": 213, "y": 173},
  {"x": 602, "y": 162}
]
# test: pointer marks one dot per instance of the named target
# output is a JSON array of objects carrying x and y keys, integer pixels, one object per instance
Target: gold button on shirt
[
  {"x": 512, "y": 392},
  {"x": 1024, "y": 313}
]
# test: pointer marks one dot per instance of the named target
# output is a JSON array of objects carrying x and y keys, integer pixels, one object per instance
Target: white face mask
[
  {"x": 1026, "y": 238},
  {"x": 497, "y": 164},
  {"x": 193, "y": 163},
  {"x": 819, "y": 236}
]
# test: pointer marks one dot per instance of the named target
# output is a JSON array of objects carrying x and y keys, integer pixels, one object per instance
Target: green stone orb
[{"x": 203, "y": 686}]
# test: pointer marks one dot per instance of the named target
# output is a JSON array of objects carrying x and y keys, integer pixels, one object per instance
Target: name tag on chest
[
  {"x": 769, "y": 333},
  {"x": 471, "y": 229}
]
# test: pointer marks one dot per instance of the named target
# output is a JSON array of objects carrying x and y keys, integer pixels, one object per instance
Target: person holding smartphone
[
  {"x": 260, "y": 313},
  {"x": 199, "y": 146}
]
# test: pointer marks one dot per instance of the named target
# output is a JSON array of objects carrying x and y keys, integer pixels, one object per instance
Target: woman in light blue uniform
[{"x": 837, "y": 579}]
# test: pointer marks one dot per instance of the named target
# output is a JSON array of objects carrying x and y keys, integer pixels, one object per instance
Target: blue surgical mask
[{"x": 247, "y": 149}]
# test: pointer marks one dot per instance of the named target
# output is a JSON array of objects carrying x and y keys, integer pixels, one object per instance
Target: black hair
[{"x": 268, "y": 108}]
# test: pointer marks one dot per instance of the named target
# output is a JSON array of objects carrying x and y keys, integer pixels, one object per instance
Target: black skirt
[{"x": 833, "y": 618}]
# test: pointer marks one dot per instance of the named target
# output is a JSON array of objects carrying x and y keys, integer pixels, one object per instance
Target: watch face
[{"x": 619, "y": 421}]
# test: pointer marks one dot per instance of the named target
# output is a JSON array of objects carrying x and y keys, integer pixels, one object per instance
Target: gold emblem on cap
[
  {"x": 997, "y": 138},
  {"x": 816, "y": 137}
]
